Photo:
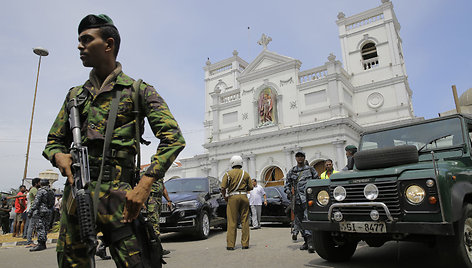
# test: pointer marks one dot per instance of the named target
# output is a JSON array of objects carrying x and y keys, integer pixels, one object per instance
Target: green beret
[
  {"x": 350, "y": 148},
  {"x": 95, "y": 21}
]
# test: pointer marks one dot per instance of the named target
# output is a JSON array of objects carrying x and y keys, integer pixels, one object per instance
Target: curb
[{"x": 24, "y": 243}]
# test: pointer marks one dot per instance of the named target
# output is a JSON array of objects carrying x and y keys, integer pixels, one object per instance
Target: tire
[
  {"x": 386, "y": 157},
  {"x": 203, "y": 226},
  {"x": 456, "y": 250},
  {"x": 329, "y": 250}
]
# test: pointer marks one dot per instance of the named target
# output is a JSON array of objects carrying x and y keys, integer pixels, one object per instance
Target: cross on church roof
[{"x": 265, "y": 39}]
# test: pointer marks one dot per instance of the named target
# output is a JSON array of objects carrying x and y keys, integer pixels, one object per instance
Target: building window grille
[{"x": 370, "y": 57}]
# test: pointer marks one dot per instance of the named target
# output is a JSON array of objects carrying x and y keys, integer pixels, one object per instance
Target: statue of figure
[{"x": 265, "y": 107}]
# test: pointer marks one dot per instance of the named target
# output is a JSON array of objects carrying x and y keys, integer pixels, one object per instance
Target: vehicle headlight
[
  {"x": 187, "y": 204},
  {"x": 309, "y": 191},
  {"x": 415, "y": 194},
  {"x": 323, "y": 198},
  {"x": 371, "y": 192},
  {"x": 339, "y": 193}
]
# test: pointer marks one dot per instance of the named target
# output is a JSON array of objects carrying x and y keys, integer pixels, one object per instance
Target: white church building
[{"x": 270, "y": 108}]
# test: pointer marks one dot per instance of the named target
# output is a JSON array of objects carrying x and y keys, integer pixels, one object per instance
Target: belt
[
  {"x": 237, "y": 192},
  {"x": 110, "y": 172}
]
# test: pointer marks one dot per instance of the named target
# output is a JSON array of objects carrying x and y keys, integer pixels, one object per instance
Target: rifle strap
[
  {"x": 136, "y": 86},
  {"x": 106, "y": 144}
]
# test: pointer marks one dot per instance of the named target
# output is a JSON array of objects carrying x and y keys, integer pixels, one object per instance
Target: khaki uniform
[{"x": 238, "y": 205}]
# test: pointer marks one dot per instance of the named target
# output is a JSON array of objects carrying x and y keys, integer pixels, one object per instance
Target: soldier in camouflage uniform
[
  {"x": 41, "y": 213},
  {"x": 297, "y": 177},
  {"x": 119, "y": 203}
]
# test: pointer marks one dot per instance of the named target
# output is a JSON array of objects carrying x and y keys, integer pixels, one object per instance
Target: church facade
[{"x": 270, "y": 108}]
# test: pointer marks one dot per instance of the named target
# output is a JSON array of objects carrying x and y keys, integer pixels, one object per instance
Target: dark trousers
[{"x": 301, "y": 215}]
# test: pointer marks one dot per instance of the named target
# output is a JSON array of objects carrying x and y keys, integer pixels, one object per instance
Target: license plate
[
  {"x": 162, "y": 219},
  {"x": 362, "y": 227}
]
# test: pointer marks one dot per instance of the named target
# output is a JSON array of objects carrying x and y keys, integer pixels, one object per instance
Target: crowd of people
[{"x": 31, "y": 212}]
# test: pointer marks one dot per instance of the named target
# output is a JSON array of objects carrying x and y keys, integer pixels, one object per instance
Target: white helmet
[{"x": 236, "y": 160}]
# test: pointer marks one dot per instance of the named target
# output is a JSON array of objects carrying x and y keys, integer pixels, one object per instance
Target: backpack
[{"x": 51, "y": 200}]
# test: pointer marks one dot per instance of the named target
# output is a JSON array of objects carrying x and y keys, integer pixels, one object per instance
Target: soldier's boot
[
  {"x": 40, "y": 246},
  {"x": 311, "y": 245},
  {"x": 305, "y": 245}
]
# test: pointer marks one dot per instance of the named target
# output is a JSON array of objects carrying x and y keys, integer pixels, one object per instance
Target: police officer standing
[
  {"x": 297, "y": 178},
  {"x": 235, "y": 186},
  {"x": 118, "y": 203},
  {"x": 41, "y": 213}
]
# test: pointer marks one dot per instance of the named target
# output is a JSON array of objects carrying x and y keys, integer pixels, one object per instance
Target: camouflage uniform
[
  {"x": 41, "y": 212},
  {"x": 154, "y": 204},
  {"x": 93, "y": 117},
  {"x": 298, "y": 177}
]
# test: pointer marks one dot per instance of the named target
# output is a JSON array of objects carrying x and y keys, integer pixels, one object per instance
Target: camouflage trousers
[
  {"x": 41, "y": 224},
  {"x": 154, "y": 204},
  {"x": 124, "y": 250}
]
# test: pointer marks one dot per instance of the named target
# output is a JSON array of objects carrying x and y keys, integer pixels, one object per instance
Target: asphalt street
[{"x": 270, "y": 246}]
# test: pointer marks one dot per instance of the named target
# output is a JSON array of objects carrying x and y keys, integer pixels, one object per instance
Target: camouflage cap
[{"x": 95, "y": 21}]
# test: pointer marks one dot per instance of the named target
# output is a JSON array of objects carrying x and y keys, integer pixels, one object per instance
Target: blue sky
[{"x": 167, "y": 43}]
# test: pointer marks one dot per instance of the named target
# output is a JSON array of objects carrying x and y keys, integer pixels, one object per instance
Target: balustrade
[{"x": 365, "y": 22}]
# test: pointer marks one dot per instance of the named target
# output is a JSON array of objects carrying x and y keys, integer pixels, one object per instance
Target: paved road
[{"x": 269, "y": 247}]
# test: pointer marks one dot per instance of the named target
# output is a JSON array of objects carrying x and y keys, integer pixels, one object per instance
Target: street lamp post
[{"x": 41, "y": 52}]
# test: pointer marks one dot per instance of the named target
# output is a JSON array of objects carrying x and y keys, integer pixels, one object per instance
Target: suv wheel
[
  {"x": 203, "y": 225},
  {"x": 330, "y": 250},
  {"x": 457, "y": 249}
]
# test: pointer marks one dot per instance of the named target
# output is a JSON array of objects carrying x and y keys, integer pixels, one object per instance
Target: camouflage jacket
[
  {"x": 93, "y": 118},
  {"x": 298, "y": 177},
  {"x": 42, "y": 202}
]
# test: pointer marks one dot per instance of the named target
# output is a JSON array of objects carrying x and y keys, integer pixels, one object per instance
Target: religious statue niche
[{"x": 267, "y": 107}]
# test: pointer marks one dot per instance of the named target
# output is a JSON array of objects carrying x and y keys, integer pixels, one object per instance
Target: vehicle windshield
[
  {"x": 426, "y": 137},
  {"x": 186, "y": 185}
]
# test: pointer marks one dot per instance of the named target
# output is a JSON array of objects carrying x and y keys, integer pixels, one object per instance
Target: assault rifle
[{"x": 80, "y": 200}]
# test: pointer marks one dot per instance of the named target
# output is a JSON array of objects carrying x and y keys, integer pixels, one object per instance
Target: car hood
[
  {"x": 185, "y": 196},
  {"x": 381, "y": 172}
]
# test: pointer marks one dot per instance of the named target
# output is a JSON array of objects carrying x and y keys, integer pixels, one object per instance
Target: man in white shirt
[{"x": 255, "y": 201}]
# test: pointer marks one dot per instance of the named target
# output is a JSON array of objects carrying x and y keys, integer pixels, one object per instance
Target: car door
[{"x": 274, "y": 203}]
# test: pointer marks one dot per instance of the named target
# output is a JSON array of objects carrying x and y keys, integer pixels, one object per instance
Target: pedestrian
[
  {"x": 329, "y": 170},
  {"x": 5, "y": 215},
  {"x": 41, "y": 213},
  {"x": 297, "y": 178},
  {"x": 20, "y": 207},
  {"x": 119, "y": 204},
  {"x": 234, "y": 188},
  {"x": 351, "y": 150},
  {"x": 255, "y": 201},
  {"x": 30, "y": 226}
]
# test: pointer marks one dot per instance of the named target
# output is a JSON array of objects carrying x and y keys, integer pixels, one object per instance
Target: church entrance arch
[
  {"x": 318, "y": 165},
  {"x": 273, "y": 176}
]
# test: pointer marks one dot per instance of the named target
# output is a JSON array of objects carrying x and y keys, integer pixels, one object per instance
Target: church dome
[{"x": 466, "y": 98}]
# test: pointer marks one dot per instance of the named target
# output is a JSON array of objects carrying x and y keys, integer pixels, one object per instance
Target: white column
[
  {"x": 216, "y": 114},
  {"x": 288, "y": 159},
  {"x": 340, "y": 160},
  {"x": 214, "y": 168},
  {"x": 252, "y": 165}
]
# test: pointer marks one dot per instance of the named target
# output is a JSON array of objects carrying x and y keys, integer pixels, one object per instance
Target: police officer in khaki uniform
[{"x": 235, "y": 186}]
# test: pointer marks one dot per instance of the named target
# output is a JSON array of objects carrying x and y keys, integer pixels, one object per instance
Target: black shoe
[
  {"x": 229, "y": 248},
  {"x": 294, "y": 237},
  {"x": 39, "y": 247},
  {"x": 165, "y": 252},
  {"x": 311, "y": 250},
  {"x": 245, "y": 247},
  {"x": 311, "y": 246},
  {"x": 304, "y": 246}
]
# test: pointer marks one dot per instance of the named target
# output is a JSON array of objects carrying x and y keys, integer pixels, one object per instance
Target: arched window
[
  {"x": 273, "y": 176},
  {"x": 369, "y": 56}
]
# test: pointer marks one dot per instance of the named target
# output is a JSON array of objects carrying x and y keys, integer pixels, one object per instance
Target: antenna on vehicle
[{"x": 456, "y": 99}]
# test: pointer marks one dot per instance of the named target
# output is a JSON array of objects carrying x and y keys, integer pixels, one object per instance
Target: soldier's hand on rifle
[
  {"x": 136, "y": 198},
  {"x": 64, "y": 162}
]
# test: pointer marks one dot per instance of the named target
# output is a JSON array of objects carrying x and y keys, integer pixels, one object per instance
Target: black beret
[{"x": 95, "y": 21}]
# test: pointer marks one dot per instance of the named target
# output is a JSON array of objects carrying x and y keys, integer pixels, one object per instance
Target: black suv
[{"x": 197, "y": 205}]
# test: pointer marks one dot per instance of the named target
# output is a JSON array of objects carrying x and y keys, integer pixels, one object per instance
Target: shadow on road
[
  {"x": 392, "y": 254},
  {"x": 186, "y": 237}
]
